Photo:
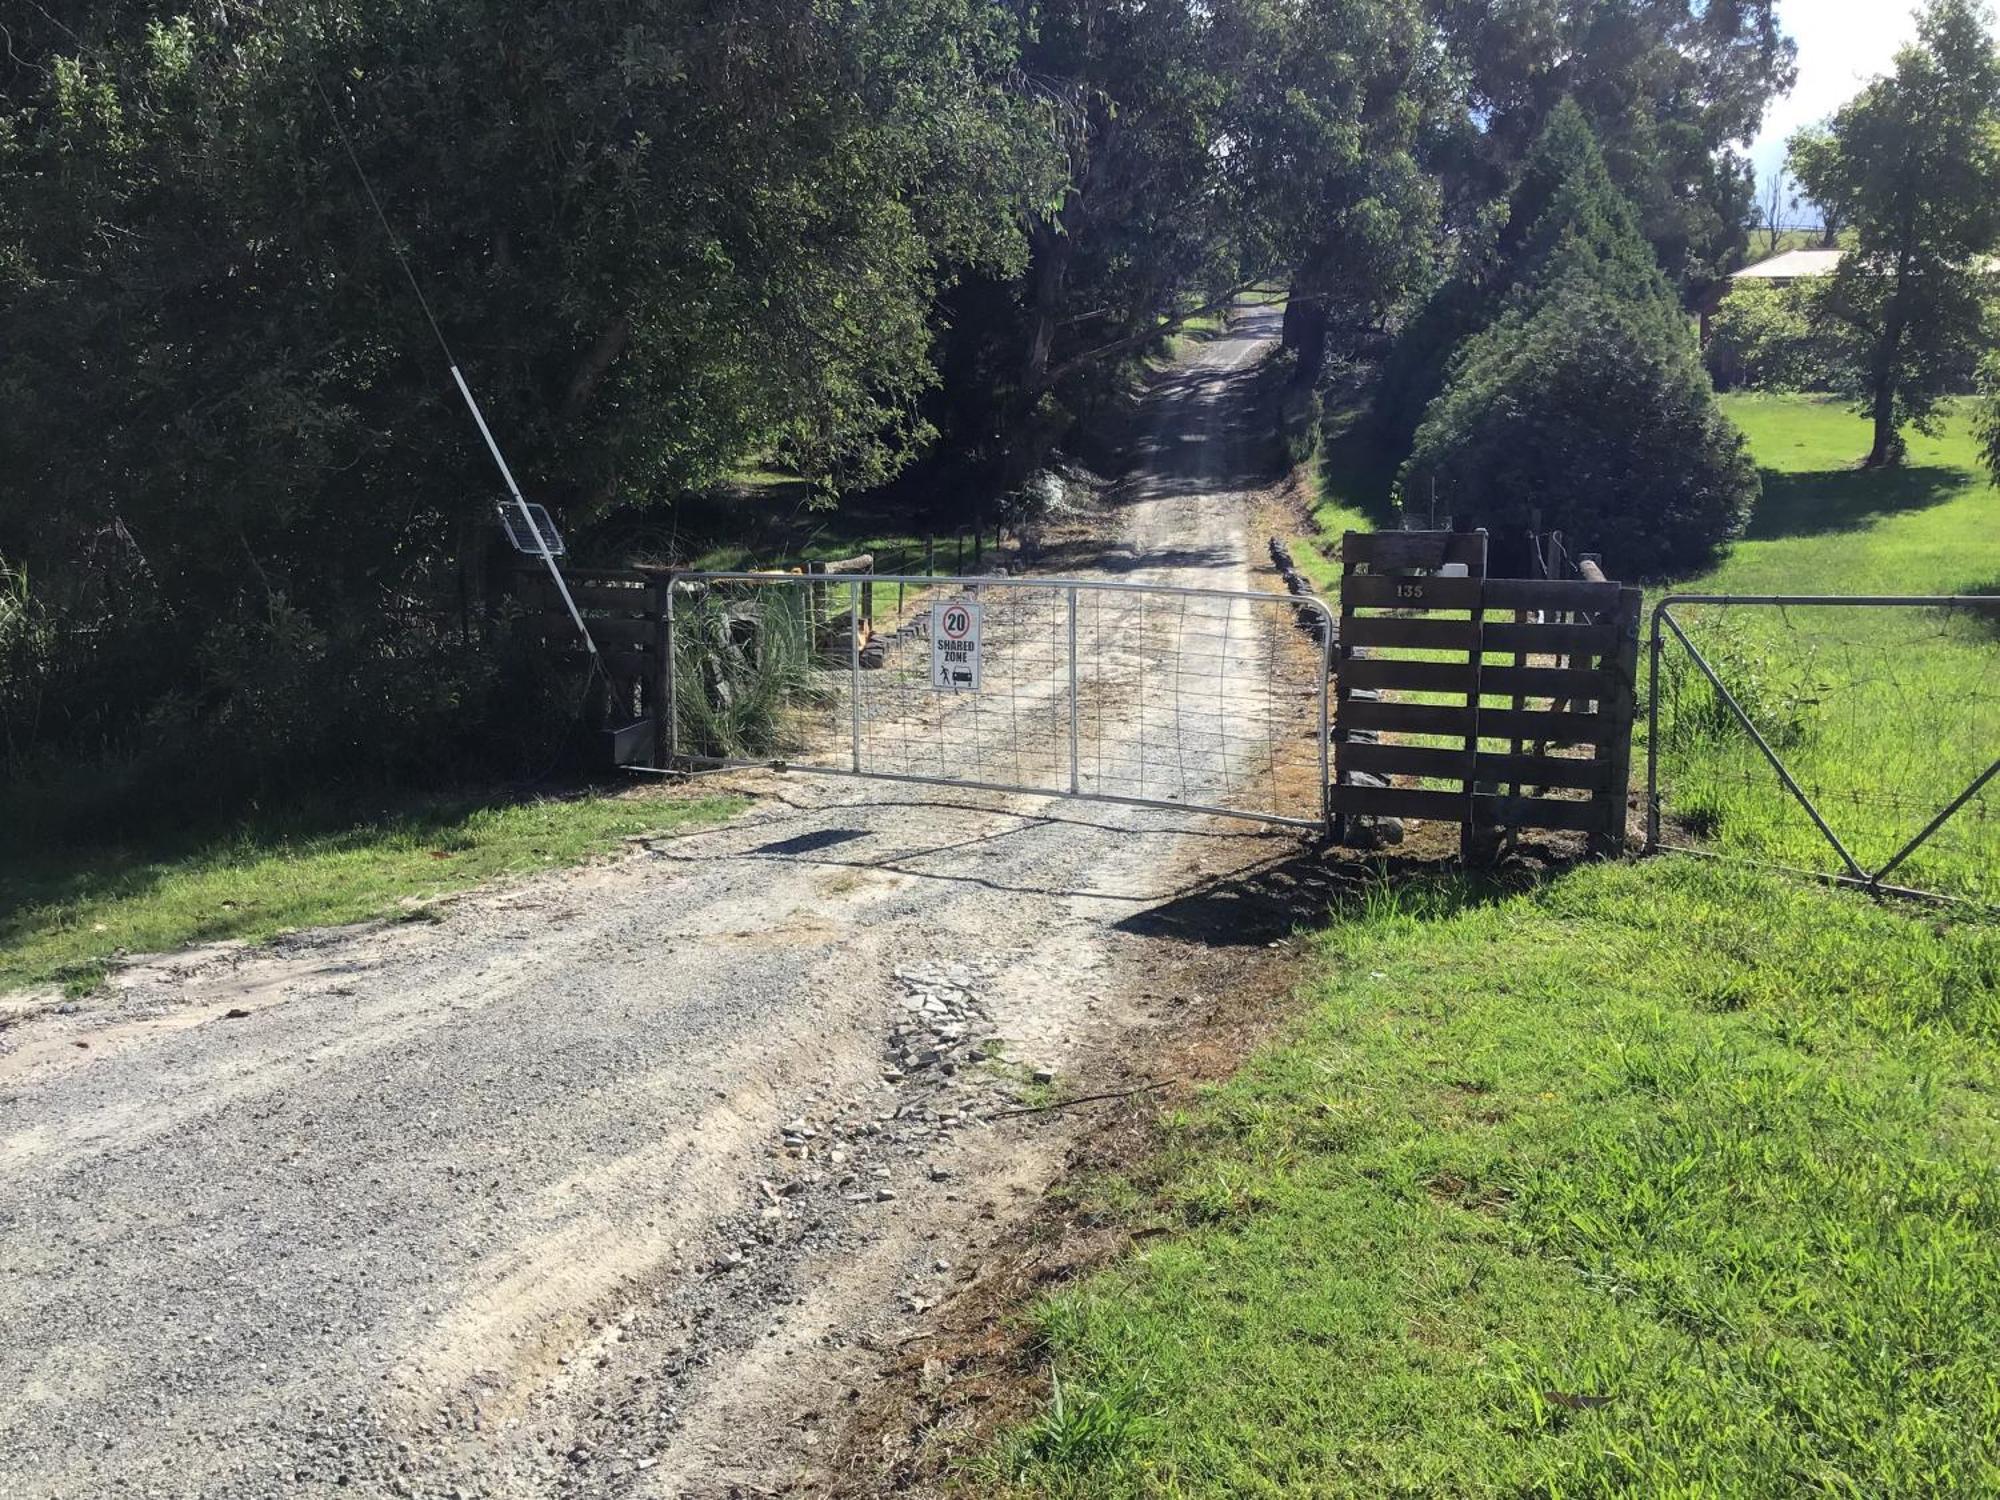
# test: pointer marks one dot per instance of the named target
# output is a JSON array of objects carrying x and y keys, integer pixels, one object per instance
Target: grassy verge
[
  {"x": 1660, "y": 1179},
  {"x": 66, "y": 916},
  {"x": 1347, "y": 488},
  {"x": 1884, "y": 715}
]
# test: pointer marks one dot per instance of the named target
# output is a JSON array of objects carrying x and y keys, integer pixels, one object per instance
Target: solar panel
[{"x": 518, "y": 533}]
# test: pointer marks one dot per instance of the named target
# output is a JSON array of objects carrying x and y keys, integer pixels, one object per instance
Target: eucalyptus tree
[
  {"x": 1672, "y": 89},
  {"x": 1134, "y": 238},
  {"x": 1324, "y": 135},
  {"x": 1912, "y": 166}
]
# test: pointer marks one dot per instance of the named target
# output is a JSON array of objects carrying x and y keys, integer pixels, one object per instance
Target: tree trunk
[
  {"x": 1305, "y": 331},
  {"x": 1049, "y": 249},
  {"x": 594, "y": 366},
  {"x": 1888, "y": 448}
]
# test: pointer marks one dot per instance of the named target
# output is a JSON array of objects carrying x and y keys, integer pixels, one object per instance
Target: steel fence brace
[{"x": 1855, "y": 875}]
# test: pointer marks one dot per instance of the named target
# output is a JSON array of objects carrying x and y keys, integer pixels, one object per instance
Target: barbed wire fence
[{"x": 1856, "y": 739}]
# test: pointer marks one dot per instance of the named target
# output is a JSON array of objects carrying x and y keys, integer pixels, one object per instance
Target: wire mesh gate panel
[
  {"x": 1852, "y": 738},
  {"x": 1208, "y": 700}
]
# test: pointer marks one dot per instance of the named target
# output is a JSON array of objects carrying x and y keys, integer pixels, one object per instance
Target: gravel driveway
[{"x": 617, "y": 1182}]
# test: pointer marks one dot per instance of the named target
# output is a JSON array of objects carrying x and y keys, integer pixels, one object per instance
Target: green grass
[
  {"x": 1884, "y": 716},
  {"x": 1926, "y": 527},
  {"x": 66, "y": 916},
  {"x": 1346, "y": 489},
  {"x": 1665, "y": 1179}
]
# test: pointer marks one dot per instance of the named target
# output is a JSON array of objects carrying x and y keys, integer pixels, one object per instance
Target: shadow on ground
[
  {"x": 1830, "y": 500},
  {"x": 1357, "y": 470},
  {"x": 1315, "y": 888}
]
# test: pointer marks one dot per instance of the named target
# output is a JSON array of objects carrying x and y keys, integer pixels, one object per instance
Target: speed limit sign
[{"x": 955, "y": 646}]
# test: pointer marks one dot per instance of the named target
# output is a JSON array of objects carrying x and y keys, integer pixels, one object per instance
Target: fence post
[
  {"x": 1618, "y": 712},
  {"x": 1472, "y": 849},
  {"x": 661, "y": 689},
  {"x": 1074, "y": 710},
  {"x": 854, "y": 671},
  {"x": 1653, "y": 738}
]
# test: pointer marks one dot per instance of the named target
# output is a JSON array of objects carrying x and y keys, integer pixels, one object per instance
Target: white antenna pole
[{"x": 527, "y": 516}]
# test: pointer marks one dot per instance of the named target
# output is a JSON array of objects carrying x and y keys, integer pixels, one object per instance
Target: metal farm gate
[
  {"x": 1196, "y": 699},
  {"x": 1488, "y": 703},
  {"x": 1873, "y": 716}
]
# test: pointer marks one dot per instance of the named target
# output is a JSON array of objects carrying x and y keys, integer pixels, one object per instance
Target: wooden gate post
[
  {"x": 1619, "y": 708},
  {"x": 1474, "y": 847},
  {"x": 1590, "y": 701}
]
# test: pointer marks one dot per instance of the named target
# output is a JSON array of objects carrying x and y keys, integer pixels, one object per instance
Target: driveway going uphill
[{"x": 616, "y": 1182}]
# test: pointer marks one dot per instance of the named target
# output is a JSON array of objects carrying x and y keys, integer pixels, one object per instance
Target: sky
[{"x": 1842, "y": 44}]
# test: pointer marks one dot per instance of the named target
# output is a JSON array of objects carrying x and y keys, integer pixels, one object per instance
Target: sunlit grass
[
  {"x": 66, "y": 915},
  {"x": 1662, "y": 1179},
  {"x": 1883, "y": 715}
]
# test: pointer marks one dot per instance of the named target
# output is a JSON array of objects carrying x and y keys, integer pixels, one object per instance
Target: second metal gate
[{"x": 1201, "y": 699}]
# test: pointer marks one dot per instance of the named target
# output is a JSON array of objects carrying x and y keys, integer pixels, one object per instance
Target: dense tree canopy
[
  {"x": 661, "y": 237},
  {"x": 1134, "y": 96},
  {"x": 1673, "y": 89},
  {"x": 1325, "y": 133},
  {"x": 668, "y": 238}
]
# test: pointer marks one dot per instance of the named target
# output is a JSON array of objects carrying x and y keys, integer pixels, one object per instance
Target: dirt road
[{"x": 619, "y": 1182}]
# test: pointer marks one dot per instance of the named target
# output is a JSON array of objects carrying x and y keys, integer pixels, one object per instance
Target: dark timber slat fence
[{"x": 1562, "y": 661}]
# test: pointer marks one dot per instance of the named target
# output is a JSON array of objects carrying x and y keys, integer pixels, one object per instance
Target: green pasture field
[{"x": 1884, "y": 716}]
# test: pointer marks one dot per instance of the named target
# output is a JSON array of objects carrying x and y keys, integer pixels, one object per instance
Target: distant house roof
[
  {"x": 1793, "y": 265},
  {"x": 1803, "y": 265}
]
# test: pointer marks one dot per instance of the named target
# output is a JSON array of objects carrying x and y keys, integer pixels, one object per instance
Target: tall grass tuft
[
  {"x": 29, "y": 642},
  {"x": 744, "y": 673}
]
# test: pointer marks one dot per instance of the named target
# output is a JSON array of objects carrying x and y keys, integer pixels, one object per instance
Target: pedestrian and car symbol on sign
[{"x": 955, "y": 646}]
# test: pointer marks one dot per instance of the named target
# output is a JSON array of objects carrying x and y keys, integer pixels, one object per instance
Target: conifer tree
[{"x": 1584, "y": 402}]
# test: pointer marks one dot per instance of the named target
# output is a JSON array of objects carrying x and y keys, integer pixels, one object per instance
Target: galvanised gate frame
[
  {"x": 1852, "y": 873},
  {"x": 1194, "y": 699}
]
